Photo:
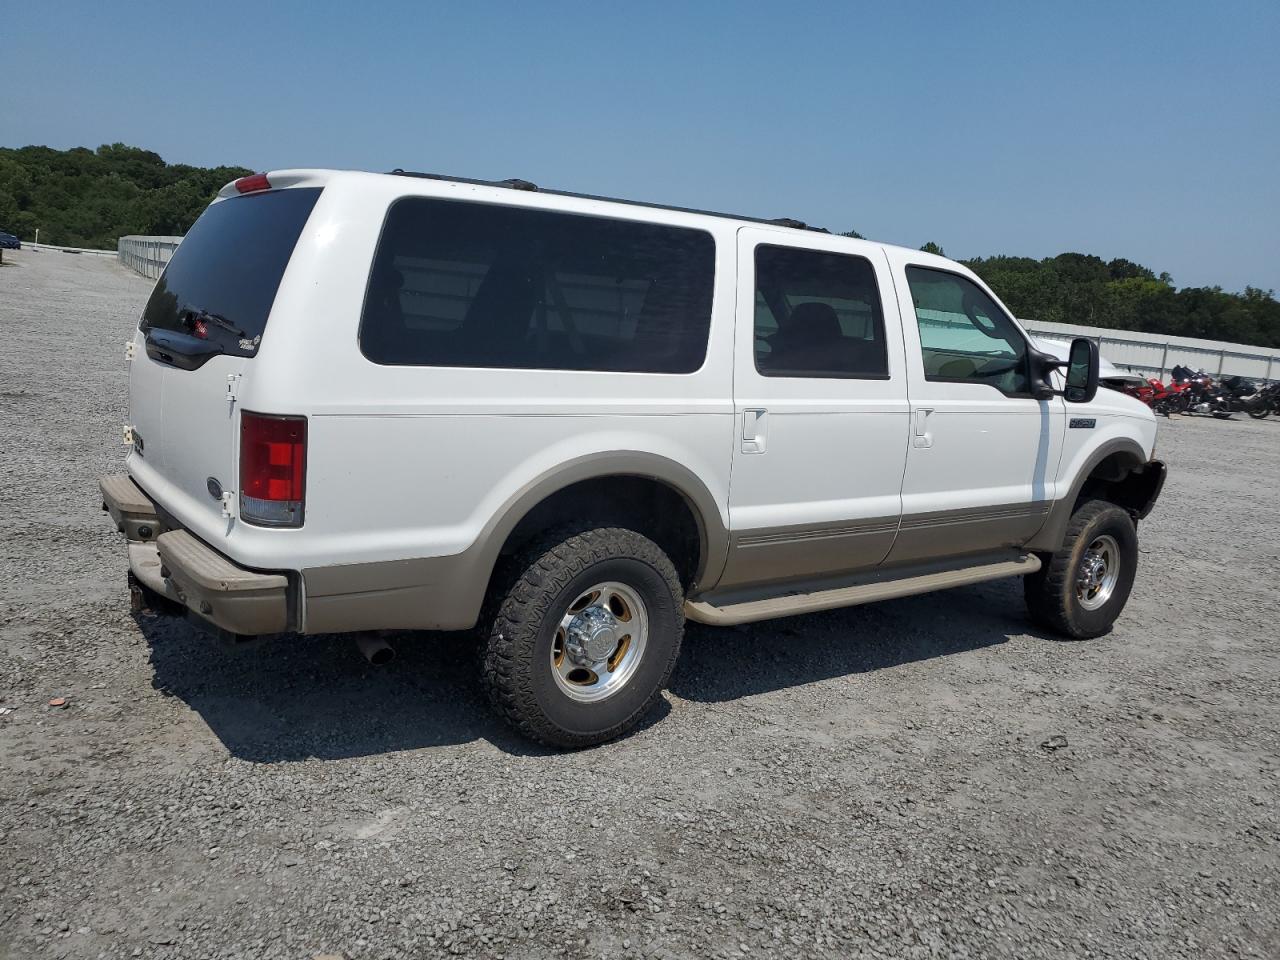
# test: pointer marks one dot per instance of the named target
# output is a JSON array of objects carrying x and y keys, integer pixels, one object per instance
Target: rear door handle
[
  {"x": 754, "y": 430},
  {"x": 923, "y": 436}
]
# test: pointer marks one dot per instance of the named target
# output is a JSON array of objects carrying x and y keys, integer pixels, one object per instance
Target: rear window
[
  {"x": 223, "y": 277},
  {"x": 818, "y": 315},
  {"x": 475, "y": 285}
]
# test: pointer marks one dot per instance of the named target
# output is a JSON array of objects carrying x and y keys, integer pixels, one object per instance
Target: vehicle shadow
[
  {"x": 719, "y": 664},
  {"x": 291, "y": 698}
]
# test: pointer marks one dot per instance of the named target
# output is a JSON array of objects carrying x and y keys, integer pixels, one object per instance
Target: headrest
[{"x": 813, "y": 322}]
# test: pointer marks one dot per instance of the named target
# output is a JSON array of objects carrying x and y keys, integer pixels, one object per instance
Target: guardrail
[
  {"x": 146, "y": 255},
  {"x": 37, "y": 247}
]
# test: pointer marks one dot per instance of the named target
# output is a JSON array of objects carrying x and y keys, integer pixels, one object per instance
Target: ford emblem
[{"x": 215, "y": 488}]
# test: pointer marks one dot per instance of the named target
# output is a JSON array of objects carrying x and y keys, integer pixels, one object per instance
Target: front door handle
[
  {"x": 754, "y": 430},
  {"x": 923, "y": 435}
]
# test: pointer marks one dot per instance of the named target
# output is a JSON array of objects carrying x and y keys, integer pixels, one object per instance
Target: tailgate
[{"x": 196, "y": 342}]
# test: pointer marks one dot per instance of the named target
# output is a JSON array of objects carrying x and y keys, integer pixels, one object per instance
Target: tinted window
[
  {"x": 477, "y": 285},
  {"x": 963, "y": 334},
  {"x": 817, "y": 315},
  {"x": 224, "y": 275}
]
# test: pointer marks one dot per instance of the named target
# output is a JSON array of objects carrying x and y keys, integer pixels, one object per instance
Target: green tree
[{"x": 90, "y": 198}]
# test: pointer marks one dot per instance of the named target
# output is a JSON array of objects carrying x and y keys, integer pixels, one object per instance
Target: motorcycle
[
  {"x": 1269, "y": 402},
  {"x": 1202, "y": 394},
  {"x": 1171, "y": 398},
  {"x": 1244, "y": 396},
  {"x": 1165, "y": 399}
]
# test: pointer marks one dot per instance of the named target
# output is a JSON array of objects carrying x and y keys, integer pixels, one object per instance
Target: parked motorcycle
[
  {"x": 1244, "y": 396},
  {"x": 1268, "y": 402},
  {"x": 1202, "y": 394},
  {"x": 1171, "y": 398},
  {"x": 1163, "y": 398}
]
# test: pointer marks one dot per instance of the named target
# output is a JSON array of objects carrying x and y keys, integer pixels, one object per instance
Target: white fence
[
  {"x": 1156, "y": 354},
  {"x": 146, "y": 255}
]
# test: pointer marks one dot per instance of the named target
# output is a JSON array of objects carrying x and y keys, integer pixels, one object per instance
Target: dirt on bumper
[{"x": 176, "y": 565}]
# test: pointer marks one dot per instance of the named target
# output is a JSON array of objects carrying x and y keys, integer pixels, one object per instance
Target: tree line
[
  {"x": 1122, "y": 295},
  {"x": 89, "y": 198}
]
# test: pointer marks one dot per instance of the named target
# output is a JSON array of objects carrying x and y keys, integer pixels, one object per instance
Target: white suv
[{"x": 400, "y": 401}]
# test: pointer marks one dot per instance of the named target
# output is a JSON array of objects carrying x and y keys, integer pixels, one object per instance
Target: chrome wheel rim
[
  {"x": 1099, "y": 570},
  {"x": 599, "y": 641}
]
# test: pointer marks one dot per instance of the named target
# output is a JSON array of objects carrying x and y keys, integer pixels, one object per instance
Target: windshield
[{"x": 223, "y": 278}]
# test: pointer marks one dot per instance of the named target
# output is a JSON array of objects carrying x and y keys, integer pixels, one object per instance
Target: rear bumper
[{"x": 176, "y": 565}]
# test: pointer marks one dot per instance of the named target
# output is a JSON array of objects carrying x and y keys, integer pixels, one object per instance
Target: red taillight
[
  {"x": 273, "y": 469},
  {"x": 257, "y": 181}
]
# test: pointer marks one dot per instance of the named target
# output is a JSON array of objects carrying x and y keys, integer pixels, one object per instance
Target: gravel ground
[{"x": 870, "y": 782}]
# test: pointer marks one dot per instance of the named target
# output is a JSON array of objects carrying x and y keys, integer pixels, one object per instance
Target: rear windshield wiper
[{"x": 217, "y": 320}]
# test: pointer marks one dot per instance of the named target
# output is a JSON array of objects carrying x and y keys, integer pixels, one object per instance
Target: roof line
[{"x": 528, "y": 187}]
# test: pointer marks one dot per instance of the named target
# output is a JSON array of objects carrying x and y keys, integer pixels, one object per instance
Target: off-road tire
[
  {"x": 530, "y": 595},
  {"x": 1051, "y": 591}
]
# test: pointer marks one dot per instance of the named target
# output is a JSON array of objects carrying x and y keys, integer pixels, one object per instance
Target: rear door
[
  {"x": 983, "y": 450},
  {"x": 199, "y": 332},
  {"x": 821, "y": 403}
]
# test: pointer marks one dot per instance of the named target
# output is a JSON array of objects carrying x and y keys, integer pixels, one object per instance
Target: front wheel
[
  {"x": 585, "y": 636},
  {"x": 1081, "y": 589}
]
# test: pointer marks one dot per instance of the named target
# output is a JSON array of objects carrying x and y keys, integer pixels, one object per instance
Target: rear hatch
[{"x": 195, "y": 345}]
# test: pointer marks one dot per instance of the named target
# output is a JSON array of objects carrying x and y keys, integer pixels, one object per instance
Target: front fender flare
[{"x": 1050, "y": 536}]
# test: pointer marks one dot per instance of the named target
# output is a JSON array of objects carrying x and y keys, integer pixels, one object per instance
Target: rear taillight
[
  {"x": 273, "y": 469},
  {"x": 252, "y": 183}
]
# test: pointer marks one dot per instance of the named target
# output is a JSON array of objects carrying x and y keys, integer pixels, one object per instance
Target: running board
[{"x": 793, "y": 604}]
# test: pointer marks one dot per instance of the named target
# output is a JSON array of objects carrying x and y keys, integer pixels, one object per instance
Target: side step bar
[{"x": 792, "y": 604}]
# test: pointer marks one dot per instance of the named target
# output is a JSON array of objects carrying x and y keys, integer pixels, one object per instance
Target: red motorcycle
[{"x": 1163, "y": 398}]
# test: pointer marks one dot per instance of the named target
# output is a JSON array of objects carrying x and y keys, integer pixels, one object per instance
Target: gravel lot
[{"x": 870, "y": 782}]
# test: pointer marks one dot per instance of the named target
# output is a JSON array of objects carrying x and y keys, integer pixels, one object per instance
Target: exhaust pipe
[{"x": 374, "y": 649}]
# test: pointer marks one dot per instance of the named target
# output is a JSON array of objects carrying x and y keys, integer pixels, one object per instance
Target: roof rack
[{"x": 527, "y": 186}]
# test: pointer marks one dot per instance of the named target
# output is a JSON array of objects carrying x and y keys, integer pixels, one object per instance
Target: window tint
[
  {"x": 817, "y": 315},
  {"x": 479, "y": 285},
  {"x": 224, "y": 275},
  {"x": 963, "y": 334}
]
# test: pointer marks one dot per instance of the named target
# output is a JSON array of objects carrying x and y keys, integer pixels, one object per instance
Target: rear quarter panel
[{"x": 409, "y": 462}]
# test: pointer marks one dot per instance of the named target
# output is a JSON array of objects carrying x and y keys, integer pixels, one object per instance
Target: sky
[{"x": 1150, "y": 132}]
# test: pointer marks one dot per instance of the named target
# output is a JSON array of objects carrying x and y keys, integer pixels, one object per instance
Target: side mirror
[{"x": 1082, "y": 371}]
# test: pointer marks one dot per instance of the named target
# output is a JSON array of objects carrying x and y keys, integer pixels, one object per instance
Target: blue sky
[{"x": 1150, "y": 132}]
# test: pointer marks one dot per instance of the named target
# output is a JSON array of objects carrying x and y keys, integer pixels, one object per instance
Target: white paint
[{"x": 408, "y": 462}]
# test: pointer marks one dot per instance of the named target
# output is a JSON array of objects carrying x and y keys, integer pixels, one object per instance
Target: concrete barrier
[
  {"x": 55, "y": 248},
  {"x": 146, "y": 255}
]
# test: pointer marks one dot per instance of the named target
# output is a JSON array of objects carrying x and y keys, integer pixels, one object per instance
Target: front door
[
  {"x": 821, "y": 403},
  {"x": 983, "y": 451}
]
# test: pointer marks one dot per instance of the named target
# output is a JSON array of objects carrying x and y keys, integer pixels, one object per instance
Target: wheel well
[
  {"x": 647, "y": 506},
  {"x": 1123, "y": 480}
]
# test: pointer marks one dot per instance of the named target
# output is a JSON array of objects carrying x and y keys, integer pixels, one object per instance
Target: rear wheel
[
  {"x": 1081, "y": 589},
  {"x": 1260, "y": 412},
  {"x": 585, "y": 635}
]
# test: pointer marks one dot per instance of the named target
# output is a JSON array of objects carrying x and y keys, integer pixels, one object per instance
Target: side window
[
  {"x": 964, "y": 336},
  {"x": 817, "y": 314},
  {"x": 458, "y": 284}
]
